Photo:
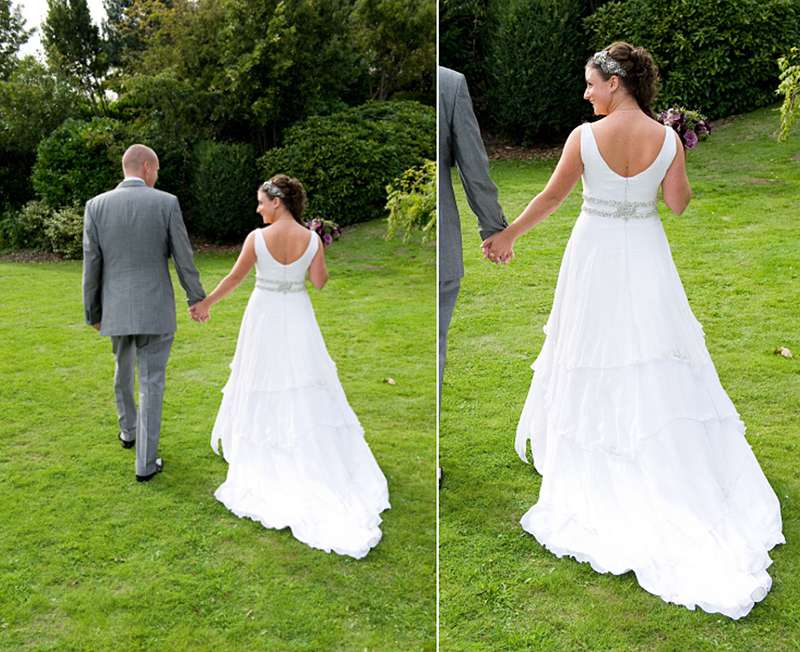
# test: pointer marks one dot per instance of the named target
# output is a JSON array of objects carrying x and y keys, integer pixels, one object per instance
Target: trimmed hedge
[
  {"x": 223, "y": 190},
  {"x": 715, "y": 56},
  {"x": 79, "y": 160},
  {"x": 536, "y": 59},
  {"x": 346, "y": 160}
]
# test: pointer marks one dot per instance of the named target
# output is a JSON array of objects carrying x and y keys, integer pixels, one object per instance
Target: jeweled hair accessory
[
  {"x": 607, "y": 64},
  {"x": 272, "y": 190}
]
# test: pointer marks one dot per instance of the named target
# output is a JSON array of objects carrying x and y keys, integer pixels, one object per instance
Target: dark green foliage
[
  {"x": 120, "y": 40},
  {"x": 346, "y": 160},
  {"x": 33, "y": 102},
  {"x": 80, "y": 160},
  {"x": 463, "y": 44},
  {"x": 281, "y": 61},
  {"x": 715, "y": 56},
  {"x": 536, "y": 61},
  {"x": 166, "y": 114},
  {"x": 398, "y": 42},
  {"x": 15, "y": 181},
  {"x": 223, "y": 191}
]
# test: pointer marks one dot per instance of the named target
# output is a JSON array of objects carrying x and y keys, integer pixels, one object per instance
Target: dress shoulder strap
[
  {"x": 260, "y": 245},
  {"x": 586, "y": 145},
  {"x": 313, "y": 246}
]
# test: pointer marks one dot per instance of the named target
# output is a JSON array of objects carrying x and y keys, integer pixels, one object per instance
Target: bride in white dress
[
  {"x": 296, "y": 451},
  {"x": 644, "y": 462}
]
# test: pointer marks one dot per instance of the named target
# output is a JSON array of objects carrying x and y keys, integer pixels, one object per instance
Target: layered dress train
[
  {"x": 296, "y": 451},
  {"x": 643, "y": 456}
]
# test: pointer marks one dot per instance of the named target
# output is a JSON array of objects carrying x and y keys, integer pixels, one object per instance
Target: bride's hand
[
  {"x": 200, "y": 311},
  {"x": 499, "y": 248}
]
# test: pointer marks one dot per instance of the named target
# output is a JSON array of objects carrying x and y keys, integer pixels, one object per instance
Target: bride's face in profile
[
  {"x": 599, "y": 92},
  {"x": 266, "y": 207}
]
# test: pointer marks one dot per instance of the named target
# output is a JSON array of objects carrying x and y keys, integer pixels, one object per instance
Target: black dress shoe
[
  {"x": 124, "y": 442},
  {"x": 150, "y": 476}
]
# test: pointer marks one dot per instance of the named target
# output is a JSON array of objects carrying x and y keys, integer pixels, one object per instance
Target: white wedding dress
[
  {"x": 296, "y": 451},
  {"x": 644, "y": 462}
]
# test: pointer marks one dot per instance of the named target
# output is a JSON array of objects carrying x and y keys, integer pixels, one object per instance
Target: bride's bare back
[
  {"x": 286, "y": 241},
  {"x": 629, "y": 142}
]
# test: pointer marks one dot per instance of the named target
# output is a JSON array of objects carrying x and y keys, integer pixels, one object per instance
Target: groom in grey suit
[
  {"x": 129, "y": 234},
  {"x": 460, "y": 144}
]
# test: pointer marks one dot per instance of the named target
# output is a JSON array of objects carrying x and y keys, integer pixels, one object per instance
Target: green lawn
[
  {"x": 92, "y": 560},
  {"x": 737, "y": 248}
]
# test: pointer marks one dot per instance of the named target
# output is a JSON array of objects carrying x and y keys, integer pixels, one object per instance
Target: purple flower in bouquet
[
  {"x": 328, "y": 230},
  {"x": 691, "y": 126}
]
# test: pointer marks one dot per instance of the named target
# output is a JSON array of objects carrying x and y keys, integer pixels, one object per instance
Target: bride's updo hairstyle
[
  {"x": 641, "y": 73},
  {"x": 291, "y": 193}
]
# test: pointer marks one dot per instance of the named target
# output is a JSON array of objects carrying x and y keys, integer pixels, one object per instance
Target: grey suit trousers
[
  {"x": 448, "y": 293},
  {"x": 150, "y": 353}
]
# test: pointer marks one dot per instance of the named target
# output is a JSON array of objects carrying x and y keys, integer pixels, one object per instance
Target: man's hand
[
  {"x": 200, "y": 311},
  {"x": 96, "y": 326},
  {"x": 499, "y": 247}
]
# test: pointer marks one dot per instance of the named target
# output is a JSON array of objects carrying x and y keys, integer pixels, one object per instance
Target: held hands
[
  {"x": 499, "y": 247},
  {"x": 200, "y": 311}
]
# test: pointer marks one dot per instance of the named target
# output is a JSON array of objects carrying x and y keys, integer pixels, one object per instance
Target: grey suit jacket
[
  {"x": 460, "y": 144},
  {"x": 129, "y": 234}
]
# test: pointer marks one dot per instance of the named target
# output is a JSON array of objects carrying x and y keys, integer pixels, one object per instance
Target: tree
[
  {"x": 283, "y": 61},
  {"x": 398, "y": 39},
  {"x": 12, "y": 36},
  {"x": 74, "y": 49},
  {"x": 119, "y": 39},
  {"x": 33, "y": 102}
]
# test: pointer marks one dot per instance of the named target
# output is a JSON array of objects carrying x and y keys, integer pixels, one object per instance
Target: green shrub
[
  {"x": 412, "y": 203},
  {"x": 223, "y": 191},
  {"x": 64, "y": 231},
  {"x": 717, "y": 57},
  {"x": 790, "y": 89},
  {"x": 37, "y": 226},
  {"x": 345, "y": 160},
  {"x": 536, "y": 58},
  {"x": 79, "y": 160},
  {"x": 25, "y": 228}
]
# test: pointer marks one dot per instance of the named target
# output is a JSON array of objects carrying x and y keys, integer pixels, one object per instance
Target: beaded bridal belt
[
  {"x": 620, "y": 210},
  {"x": 283, "y": 287}
]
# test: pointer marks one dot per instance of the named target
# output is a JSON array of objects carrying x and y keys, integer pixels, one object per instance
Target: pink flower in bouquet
[{"x": 690, "y": 139}]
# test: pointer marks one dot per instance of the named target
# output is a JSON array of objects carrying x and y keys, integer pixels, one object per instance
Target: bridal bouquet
[
  {"x": 691, "y": 126},
  {"x": 328, "y": 230}
]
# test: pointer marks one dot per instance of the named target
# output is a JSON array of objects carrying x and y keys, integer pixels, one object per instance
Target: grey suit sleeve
[
  {"x": 181, "y": 251},
  {"x": 473, "y": 165},
  {"x": 92, "y": 270}
]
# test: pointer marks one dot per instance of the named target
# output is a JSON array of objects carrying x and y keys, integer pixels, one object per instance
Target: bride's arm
[
  {"x": 242, "y": 267},
  {"x": 317, "y": 271},
  {"x": 675, "y": 186},
  {"x": 561, "y": 183}
]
